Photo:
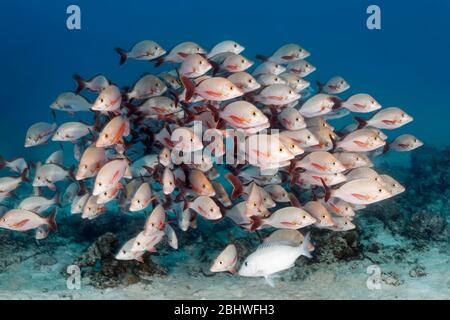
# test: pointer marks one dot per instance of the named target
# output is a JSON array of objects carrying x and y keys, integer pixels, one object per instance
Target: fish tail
[
  {"x": 189, "y": 86},
  {"x": 190, "y": 116},
  {"x": 327, "y": 190},
  {"x": 24, "y": 175},
  {"x": 256, "y": 222},
  {"x": 159, "y": 62},
  {"x": 51, "y": 221},
  {"x": 306, "y": 245},
  {"x": 262, "y": 57},
  {"x": 237, "y": 185},
  {"x": 2, "y": 162},
  {"x": 319, "y": 86},
  {"x": 386, "y": 147},
  {"x": 57, "y": 199},
  {"x": 361, "y": 122},
  {"x": 132, "y": 109},
  {"x": 337, "y": 103},
  {"x": 123, "y": 55},
  {"x": 81, "y": 84}
]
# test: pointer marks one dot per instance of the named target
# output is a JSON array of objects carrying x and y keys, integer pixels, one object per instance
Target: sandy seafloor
[{"x": 342, "y": 280}]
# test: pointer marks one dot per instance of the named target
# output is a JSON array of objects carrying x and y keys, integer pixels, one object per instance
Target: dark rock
[
  {"x": 391, "y": 278},
  {"x": 417, "y": 271},
  {"x": 424, "y": 225},
  {"x": 335, "y": 246}
]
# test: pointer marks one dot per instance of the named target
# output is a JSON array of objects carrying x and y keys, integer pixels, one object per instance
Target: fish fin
[
  {"x": 334, "y": 143},
  {"x": 132, "y": 109},
  {"x": 215, "y": 67},
  {"x": 190, "y": 116},
  {"x": 54, "y": 114},
  {"x": 294, "y": 200},
  {"x": 140, "y": 259},
  {"x": 386, "y": 148},
  {"x": 269, "y": 281},
  {"x": 305, "y": 246},
  {"x": 262, "y": 57},
  {"x": 337, "y": 103},
  {"x": 327, "y": 190},
  {"x": 159, "y": 62},
  {"x": 51, "y": 186},
  {"x": 189, "y": 86},
  {"x": 24, "y": 175},
  {"x": 233, "y": 271},
  {"x": 123, "y": 55},
  {"x": 2, "y": 162},
  {"x": 361, "y": 122},
  {"x": 257, "y": 222},
  {"x": 237, "y": 185},
  {"x": 319, "y": 86},
  {"x": 57, "y": 199},
  {"x": 51, "y": 221},
  {"x": 81, "y": 84}
]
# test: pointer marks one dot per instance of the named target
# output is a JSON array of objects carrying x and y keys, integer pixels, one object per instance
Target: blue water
[{"x": 405, "y": 64}]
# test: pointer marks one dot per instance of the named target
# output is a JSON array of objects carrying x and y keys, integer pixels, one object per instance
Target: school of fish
[{"x": 159, "y": 146}]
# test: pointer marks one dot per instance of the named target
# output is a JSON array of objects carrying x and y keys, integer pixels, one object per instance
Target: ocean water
[{"x": 404, "y": 64}]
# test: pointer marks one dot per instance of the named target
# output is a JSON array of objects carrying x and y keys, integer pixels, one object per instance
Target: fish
[
  {"x": 56, "y": 157},
  {"x": 268, "y": 79},
  {"x": 156, "y": 221},
  {"x": 78, "y": 203},
  {"x": 244, "y": 81},
  {"x": 360, "y": 191},
  {"x": 226, "y": 261},
  {"x": 24, "y": 220},
  {"x": 391, "y": 185},
  {"x": 269, "y": 259},
  {"x": 225, "y": 46},
  {"x": 277, "y": 95},
  {"x": 39, "y": 133},
  {"x": 113, "y": 132},
  {"x": 171, "y": 237},
  {"x": 92, "y": 209},
  {"x": 38, "y": 204},
  {"x": 291, "y": 119},
  {"x": 147, "y": 242},
  {"x": 285, "y": 218},
  {"x": 206, "y": 207},
  {"x": 96, "y": 84},
  {"x": 72, "y": 131},
  {"x": 221, "y": 194},
  {"x": 180, "y": 52},
  {"x": 320, "y": 162},
  {"x": 109, "y": 195},
  {"x": 319, "y": 212},
  {"x": 17, "y": 165},
  {"x": 141, "y": 198},
  {"x": 243, "y": 114},
  {"x": 146, "y": 50},
  {"x": 200, "y": 184},
  {"x": 109, "y": 100},
  {"x": 295, "y": 81},
  {"x": 361, "y": 103},
  {"x": 109, "y": 175},
  {"x": 147, "y": 87},
  {"x": 91, "y": 161},
  {"x": 335, "y": 85},
  {"x": 352, "y": 160},
  {"x": 405, "y": 142},
  {"x": 338, "y": 207},
  {"x": 70, "y": 193},
  {"x": 268, "y": 67},
  {"x": 361, "y": 140},
  {"x": 302, "y": 68},
  {"x": 48, "y": 174},
  {"x": 287, "y": 53},
  {"x": 317, "y": 105},
  {"x": 388, "y": 118},
  {"x": 303, "y": 137},
  {"x": 213, "y": 89},
  {"x": 341, "y": 224},
  {"x": 71, "y": 103},
  {"x": 126, "y": 254},
  {"x": 363, "y": 172},
  {"x": 277, "y": 192},
  {"x": 9, "y": 184},
  {"x": 41, "y": 233},
  {"x": 231, "y": 62}
]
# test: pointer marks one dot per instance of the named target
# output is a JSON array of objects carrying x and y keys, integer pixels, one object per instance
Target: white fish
[
  {"x": 244, "y": 81},
  {"x": 109, "y": 175},
  {"x": 405, "y": 142},
  {"x": 71, "y": 131},
  {"x": 125, "y": 252},
  {"x": 143, "y": 50},
  {"x": 39, "y": 133},
  {"x": 23, "y": 220},
  {"x": 38, "y": 204},
  {"x": 71, "y": 103},
  {"x": 17, "y": 165},
  {"x": 56, "y": 157},
  {"x": 300, "y": 67},
  {"x": 226, "y": 46},
  {"x": 269, "y": 259},
  {"x": 361, "y": 103},
  {"x": 171, "y": 237},
  {"x": 226, "y": 261},
  {"x": 95, "y": 84}
]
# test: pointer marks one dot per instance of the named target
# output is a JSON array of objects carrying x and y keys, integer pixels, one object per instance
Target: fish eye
[
  {"x": 221, "y": 262},
  {"x": 231, "y": 87},
  {"x": 156, "y": 84},
  {"x": 123, "y": 251},
  {"x": 334, "y": 163},
  {"x": 335, "y": 174},
  {"x": 212, "y": 210},
  {"x": 380, "y": 190},
  {"x": 250, "y": 80},
  {"x": 304, "y": 217},
  {"x": 198, "y": 48},
  {"x": 106, "y": 193},
  {"x": 254, "y": 113},
  {"x": 156, "y": 47},
  {"x": 290, "y": 91},
  {"x": 203, "y": 186},
  {"x": 346, "y": 223},
  {"x": 292, "y": 146},
  {"x": 242, "y": 61},
  {"x": 246, "y": 263},
  {"x": 99, "y": 184},
  {"x": 297, "y": 119},
  {"x": 106, "y": 135},
  {"x": 235, "y": 45},
  {"x": 415, "y": 140},
  {"x": 342, "y": 81},
  {"x": 376, "y": 138},
  {"x": 323, "y": 217},
  {"x": 357, "y": 158},
  {"x": 101, "y": 100},
  {"x": 300, "y": 49},
  {"x": 346, "y": 208},
  {"x": 138, "y": 201},
  {"x": 255, "y": 204},
  {"x": 192, "y": 140},
  {"x": 403, "y": 115},
  {"x": 307, "y": 65},
  {"x": 200, "y": 62},
  {"x": 281, "y": 149},
  {"x": 170, "y": 182},
  {"x": 138, "y": 243},
  {"x": 308, "y": 137},
  {"x": 394, "y": 185},
  {"x": 85, "y": 166}
]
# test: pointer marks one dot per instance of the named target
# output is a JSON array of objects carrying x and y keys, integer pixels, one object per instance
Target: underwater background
[{"x": 404, "y": 64}]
